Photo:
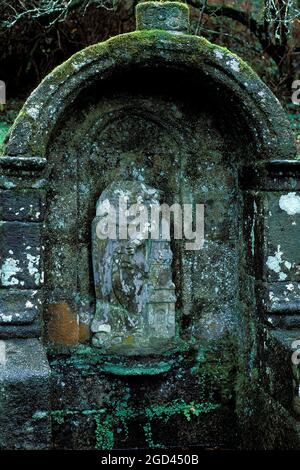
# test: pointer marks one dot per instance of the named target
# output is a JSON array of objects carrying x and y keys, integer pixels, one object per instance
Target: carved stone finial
[{"x": 165, "y": 15}]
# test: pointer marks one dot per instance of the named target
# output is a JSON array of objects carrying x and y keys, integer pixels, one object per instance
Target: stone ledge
[
  {"x": 274, "y": 175},
  {"x": 21, "y": 331},
  {"x": 22, "y": 162},
  {"x": 280, "y": 298},
  {"x": 286, "y": 337},
  {"x": 286, "y": 322}
]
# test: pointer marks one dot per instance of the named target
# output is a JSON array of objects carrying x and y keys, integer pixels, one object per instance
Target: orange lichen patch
[
  {"x": 61, "y": 324},
  {"x": 128, "y": 340},
  {"x": 84, "y": 332}
]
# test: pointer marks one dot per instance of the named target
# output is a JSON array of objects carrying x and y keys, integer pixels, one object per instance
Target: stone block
[
  {"x": 25, "y": 206},
  {"x": 20, "y": 257},
  {"x": 24, "y": 396},
  {"x": 282, "y": 232},
  {"x": 19, "y": 307},
  {"x": 281, "y": 297}
]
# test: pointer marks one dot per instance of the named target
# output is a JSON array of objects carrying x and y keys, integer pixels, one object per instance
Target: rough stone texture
[
  {"x": 24, "y": 206},
  {"x": 21, "y": 255},
  {"x": 170, "y": 16},
  {"x": 93, "y": 409},
  {"x": 17, "y": 309},
  {"x": 266, "y": 121},
  {"x": 24, "y": 396},
  {"x": 194, "y": 121}
]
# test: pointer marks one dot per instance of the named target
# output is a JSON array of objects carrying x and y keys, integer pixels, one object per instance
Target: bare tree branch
[
  {"x": 281, "y": 22},
  {"x": 55, "y": 10}
]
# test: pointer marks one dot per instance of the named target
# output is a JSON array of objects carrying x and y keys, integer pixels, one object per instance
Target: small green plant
[
  {"x": 4, "y": 127},
  {"x": 104, "y": 432},
  {"x": 166, "y": 411}
]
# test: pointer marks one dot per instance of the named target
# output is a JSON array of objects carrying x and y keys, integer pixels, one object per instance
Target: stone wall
[{"x": 191, "y": 119}]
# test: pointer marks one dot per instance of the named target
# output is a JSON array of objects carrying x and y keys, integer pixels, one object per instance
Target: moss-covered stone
[
  {"x": 170, "y": 16},
  {"x": 32, "y": 129},
  {"x": 180, "y": 114}
]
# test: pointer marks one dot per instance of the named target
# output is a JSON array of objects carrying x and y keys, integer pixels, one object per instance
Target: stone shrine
[{"x": 142, "y": 343}]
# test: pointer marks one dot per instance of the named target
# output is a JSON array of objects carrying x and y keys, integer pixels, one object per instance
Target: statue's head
[{"x": 123, "y": 194}]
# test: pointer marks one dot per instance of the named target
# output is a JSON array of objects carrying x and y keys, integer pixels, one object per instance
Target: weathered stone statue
[{"x": 135, "y": 295}]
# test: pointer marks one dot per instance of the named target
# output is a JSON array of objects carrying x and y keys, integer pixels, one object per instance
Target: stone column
[{"x": 24, "y": 369}]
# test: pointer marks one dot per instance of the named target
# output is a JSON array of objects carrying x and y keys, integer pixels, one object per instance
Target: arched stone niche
[
  {"x": 181, "y": 115},
  {"x": 60, "y": 142}
]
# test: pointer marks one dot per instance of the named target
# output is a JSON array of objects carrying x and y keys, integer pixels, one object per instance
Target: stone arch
[{"x": 41, "y": 113}]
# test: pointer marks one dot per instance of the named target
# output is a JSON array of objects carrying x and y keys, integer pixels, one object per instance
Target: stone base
[
  {"x": 25, "y": 421},
  {"x": 96, "y": 405}
]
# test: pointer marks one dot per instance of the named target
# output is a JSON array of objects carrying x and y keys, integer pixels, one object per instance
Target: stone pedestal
[{"x": 25, "y": 421}]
